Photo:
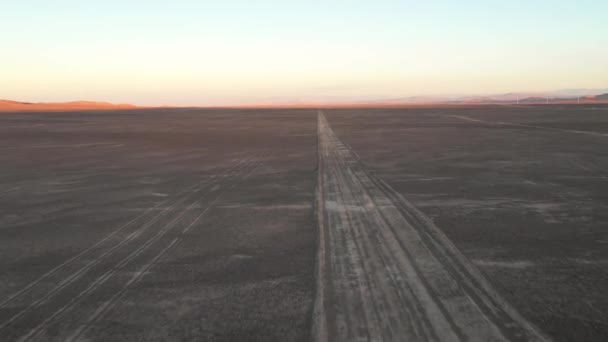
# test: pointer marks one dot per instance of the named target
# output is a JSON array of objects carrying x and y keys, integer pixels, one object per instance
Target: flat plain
[
  {"x": 200, "y": 224},
  {"x": 158, "y": 225},
  {"x": 522, "y": 191}
]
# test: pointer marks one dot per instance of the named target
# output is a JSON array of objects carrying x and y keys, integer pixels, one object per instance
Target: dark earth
[
  {"x": 528, "y": 206},
  {"x": 519, "y": 189}
]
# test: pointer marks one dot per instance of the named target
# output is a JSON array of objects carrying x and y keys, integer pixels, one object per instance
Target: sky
[{"x": 246, "y": 51}]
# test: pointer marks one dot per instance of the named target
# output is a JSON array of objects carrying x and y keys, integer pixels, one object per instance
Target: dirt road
[{"x": 386, "y": 273}]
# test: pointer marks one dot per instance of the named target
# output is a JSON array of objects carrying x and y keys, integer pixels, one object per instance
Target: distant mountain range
[
  {"x": 601, "y": 97},
  {"x": 16, "y": 106},
  {"x": 559, "y": 96}
]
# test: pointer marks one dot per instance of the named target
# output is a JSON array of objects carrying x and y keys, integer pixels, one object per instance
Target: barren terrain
[
  {"x": 166, "y": 226},
  {"x": 451, "y": 223},
  {"x": 520, "y": 190}
]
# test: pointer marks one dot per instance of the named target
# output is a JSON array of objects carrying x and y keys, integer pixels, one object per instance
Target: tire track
[
  {"x": 108, "y": 305},
  {"x": 8, "y": 191},
  {"x": 100, "y": 280},
  {"x": 98, "y": 259},
  {"x": 78, "y": 256},
  {"x": 72, "y": 278},
  {"x": 416, "y": 322},
  {"x": 105, "y": 239},
  {"x": 386, "y": 273}
]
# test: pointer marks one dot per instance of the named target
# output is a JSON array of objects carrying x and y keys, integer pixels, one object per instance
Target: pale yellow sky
[{"x": 204, "y": 53}]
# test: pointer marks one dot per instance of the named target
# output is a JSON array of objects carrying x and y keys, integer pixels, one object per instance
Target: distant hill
[
  {"x": 557, "y": 96},
  {"x": 16, "y": 106},
  {"x": 533, "y": 99},
  {"x": 565, "y": 96},
  {"x": 578, "y": 92},
  {"x": 602, "y": 97}
]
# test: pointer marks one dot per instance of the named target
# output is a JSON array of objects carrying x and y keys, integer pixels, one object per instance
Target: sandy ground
[
  {"x": 387, "y": 273},
  {"x": 191, "y": 224},
  {"x": 527, "y": 205},
  {"x": 157, "y": 226}
]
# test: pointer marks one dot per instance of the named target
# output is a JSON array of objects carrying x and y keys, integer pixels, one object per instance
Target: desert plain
[{"x": 192, "y": 224}]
